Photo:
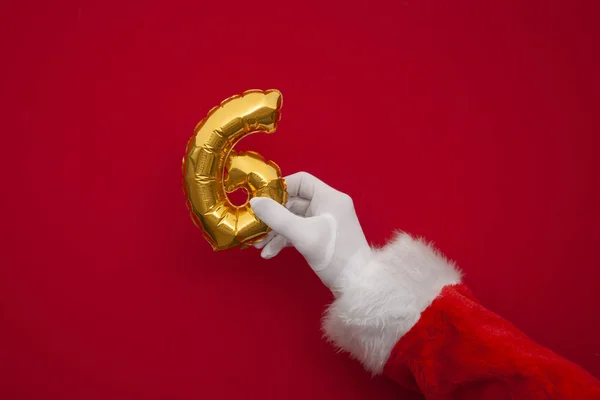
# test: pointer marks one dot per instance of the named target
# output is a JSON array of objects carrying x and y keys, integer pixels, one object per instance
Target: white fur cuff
[{"x": 382, "y": 298}]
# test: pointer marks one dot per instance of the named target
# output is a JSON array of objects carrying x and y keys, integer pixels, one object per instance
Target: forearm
[{"x": 405, "y": 314}]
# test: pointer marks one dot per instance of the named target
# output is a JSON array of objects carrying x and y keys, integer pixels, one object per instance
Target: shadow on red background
[{"x": 475, "y": 125}]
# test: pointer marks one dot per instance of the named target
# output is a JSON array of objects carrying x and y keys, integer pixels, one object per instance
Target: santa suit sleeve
[{"x": 405, "y": 313}]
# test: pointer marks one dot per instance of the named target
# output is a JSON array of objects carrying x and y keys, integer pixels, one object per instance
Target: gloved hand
[{"x": 319, "y": 221}]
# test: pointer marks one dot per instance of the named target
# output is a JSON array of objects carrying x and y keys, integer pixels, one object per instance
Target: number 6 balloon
[{"x": 210, "y": 151}]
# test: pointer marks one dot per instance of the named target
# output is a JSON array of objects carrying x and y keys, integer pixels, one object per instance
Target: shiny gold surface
[{"x": 209, "y": 152}]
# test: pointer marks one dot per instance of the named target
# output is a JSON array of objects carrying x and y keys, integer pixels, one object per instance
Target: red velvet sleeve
[{"x": 460, "y": 350}]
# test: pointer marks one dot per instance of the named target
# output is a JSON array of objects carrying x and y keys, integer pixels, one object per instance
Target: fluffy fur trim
[{"x": 381, "y": 298}]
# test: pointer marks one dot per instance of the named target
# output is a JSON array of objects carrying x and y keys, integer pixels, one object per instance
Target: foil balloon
[{"x": 210, "y": 153}]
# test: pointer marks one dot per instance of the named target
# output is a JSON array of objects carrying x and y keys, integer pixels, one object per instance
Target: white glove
[{"x": 320, "y": 222}]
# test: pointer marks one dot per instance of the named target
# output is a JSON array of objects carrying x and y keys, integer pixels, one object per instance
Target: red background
[{"x": 472, "y": 123}]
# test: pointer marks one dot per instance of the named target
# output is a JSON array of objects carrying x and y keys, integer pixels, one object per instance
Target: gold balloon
[{"x": 209, "y": 152}]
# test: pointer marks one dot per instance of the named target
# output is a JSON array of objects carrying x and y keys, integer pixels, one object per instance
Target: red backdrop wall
[{"x": 474, "y": 124}]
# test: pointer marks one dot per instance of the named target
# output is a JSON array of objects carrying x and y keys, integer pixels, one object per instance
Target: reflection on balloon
[{"x": 209, "y": 152}]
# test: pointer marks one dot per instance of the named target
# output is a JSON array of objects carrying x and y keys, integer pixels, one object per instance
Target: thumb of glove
[
  {"x": 278, "y": 218},
  {"x": 314, "y": 237}
]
